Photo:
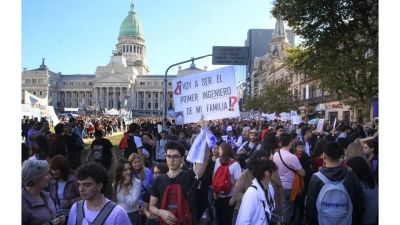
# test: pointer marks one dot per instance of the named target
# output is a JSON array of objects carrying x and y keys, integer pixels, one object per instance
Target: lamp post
[{"x": 165, "y": 86}]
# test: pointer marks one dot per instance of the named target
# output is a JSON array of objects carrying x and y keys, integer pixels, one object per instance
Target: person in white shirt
[
  {"x": 127, "y": 190},
  {"x": 258, "y": 202},
  {"x": 92, "y": 182}
]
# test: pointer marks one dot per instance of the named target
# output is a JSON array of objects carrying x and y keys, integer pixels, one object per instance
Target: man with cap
[
  {"x": 334, "y": 171},
  {"x": 230, "y": 137},
  {"x": 248, "y": 147}
]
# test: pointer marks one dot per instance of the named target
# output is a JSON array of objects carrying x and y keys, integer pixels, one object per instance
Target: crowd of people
[{"x": 217, "y": 172}]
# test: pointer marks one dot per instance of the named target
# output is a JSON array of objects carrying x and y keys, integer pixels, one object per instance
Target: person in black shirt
[{"x": 100, "y": 150}]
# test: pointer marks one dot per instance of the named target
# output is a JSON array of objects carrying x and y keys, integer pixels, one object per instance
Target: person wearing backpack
[
  {"x": 226, "y": 172},
  {"x": 133, "y": 141},
  {"x": 248, "y": 148},
  {"x": 173, "y": 195},
  {"x": 334, "y": 193},
  {"x": 94, "y": 208}
]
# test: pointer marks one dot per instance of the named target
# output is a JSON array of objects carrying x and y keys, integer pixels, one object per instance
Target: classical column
[
  {"x": 115, "y": 98},
  {"x": 107, "y": 100}
]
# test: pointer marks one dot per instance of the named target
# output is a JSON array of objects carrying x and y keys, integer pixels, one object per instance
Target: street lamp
[{"x": 165, "y": 86}]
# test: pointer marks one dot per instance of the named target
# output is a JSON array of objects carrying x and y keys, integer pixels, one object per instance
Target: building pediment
[{"x": 112, "y": 78}]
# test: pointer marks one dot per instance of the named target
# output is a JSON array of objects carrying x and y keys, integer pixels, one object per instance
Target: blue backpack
[{"x": 334, "y": 205}]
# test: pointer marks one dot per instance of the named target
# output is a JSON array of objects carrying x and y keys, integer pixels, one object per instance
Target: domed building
[{"x": 123, "y": 83}]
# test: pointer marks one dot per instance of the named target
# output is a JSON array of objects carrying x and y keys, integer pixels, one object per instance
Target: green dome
[{"x": 131, "y": 26}]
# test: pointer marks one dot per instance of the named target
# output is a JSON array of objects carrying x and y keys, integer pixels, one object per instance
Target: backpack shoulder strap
[
  {"x": 79, "y": 212},
  {"x": 104, "y": 213},
  {"x": 322, "y": 177}
]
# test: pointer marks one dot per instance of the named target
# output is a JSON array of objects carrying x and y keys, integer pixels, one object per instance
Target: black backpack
[{"x": 132, "y": 148}]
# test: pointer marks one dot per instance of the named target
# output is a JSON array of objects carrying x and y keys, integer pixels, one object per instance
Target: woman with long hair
[
  {"x": 224, "y": 210},
  {"x": 370, "y": 149},
  {"x": 142, "y": 173},
  {"x": 126, "y": 190},
  {"x": 369, "y": 188},
  {"x": 63, "y": 185}
]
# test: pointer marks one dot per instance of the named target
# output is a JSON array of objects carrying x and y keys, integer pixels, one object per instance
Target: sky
[{"x": 76, "y": 36}]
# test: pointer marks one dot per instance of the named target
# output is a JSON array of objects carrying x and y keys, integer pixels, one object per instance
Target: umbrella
[{"x": 313, "y": 121}]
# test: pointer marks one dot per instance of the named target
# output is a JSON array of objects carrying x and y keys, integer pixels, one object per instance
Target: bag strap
[
  {"x": 79, "y": 212},
  {"x": 104, "y": 213},
  {"x": 263, "y": 203},
  {"x": 324, "y": 179},
  {"x": 279, "y": 152}
]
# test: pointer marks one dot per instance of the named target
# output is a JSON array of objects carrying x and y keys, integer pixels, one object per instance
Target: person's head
[
  {"x": 285, "y": 140},
  {"x": 59, "y": 129},
  {"x": 134, "y": 128},
  {"x": 261, "y": 166},
  {"x": 253, "y": 134},
  {"x": 308, "y": 134},
  {"x": 225, "y": 153},
  {"x": 163, "y": 134},
  {"x": 246, "y": 131},
  {"x": 299, "y": 147},
  {"x": 60, "y": 168},
  {"x": 280, "y": 129},
  {"x": 317, "y": 151},
  {"x": 354, "y": 149},
  {"x": 362, "y": 169},
  {"x": 92, "y": 180},
  {"x": 98, "y": 134},
  {"x": 270, "y": 142},
  {"x": 123, "y": 170},
  {"x": 332, "y": 152},
  {"x": 175, "y": 153},
  {"x": 159, "y": 168},
  {"x": 137, "y": 162},
  {"x": 35, "y": 173},
  {"x": 72, "y": 121},
  {"x": 183, "y": 135},
  {"x": 370, "y": 148},
  {"x": 229, "y": 130}
]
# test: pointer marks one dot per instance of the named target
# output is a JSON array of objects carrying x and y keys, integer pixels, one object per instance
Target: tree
[
  {"x": 277, "y": 97},
  {"x": 340, "y": 46}
]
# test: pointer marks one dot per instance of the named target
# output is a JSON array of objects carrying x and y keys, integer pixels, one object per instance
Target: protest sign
[
  {"x": 320, "y": 126},
  {"x": 271, "y": 116},
  {"x": 296, "y": 120},
  {"x": 284, "y": 116},
  {"x": 293, "y": 113},
  {"x": 212, "y": 94}
]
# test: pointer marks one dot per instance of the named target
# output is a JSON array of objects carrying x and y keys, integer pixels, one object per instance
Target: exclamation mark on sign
[
  {"x": 177, "y": 90},
  {"x": 232, "y": 102}
]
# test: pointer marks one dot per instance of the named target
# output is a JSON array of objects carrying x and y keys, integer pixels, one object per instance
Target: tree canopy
[{"x": 340, "y": 46}]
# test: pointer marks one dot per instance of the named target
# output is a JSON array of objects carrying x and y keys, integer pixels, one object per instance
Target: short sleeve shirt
[
  {"x": 285, "y": 174},
  {"x": 234, "y": 169}
]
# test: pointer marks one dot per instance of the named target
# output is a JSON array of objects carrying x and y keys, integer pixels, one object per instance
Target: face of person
[
  {"x": 220, "y": 151},
  {"x": 43, "y": 181},
  {"x": 367, "y": 150},
  {"x": 156, "y": 172},
  {"x": 299, "y": 149},
  {"x": 127, "y": 172},
  {"x": 88, "y": 188},
  {"x": 280, "y": 131},
  {"x": 253, "y": 137},
  {"x": 216, "y": 151},
  {"x": 174, "y": 159},
  {"x": 56, "y": 173},
  {"x": 137, "y": 164},
  {"x": 163, "y": 135}
]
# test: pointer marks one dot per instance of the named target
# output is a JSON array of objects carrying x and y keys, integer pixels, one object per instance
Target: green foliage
[
  {"x": 340, "y": 45},
  {"x": 276, "y": 97}
]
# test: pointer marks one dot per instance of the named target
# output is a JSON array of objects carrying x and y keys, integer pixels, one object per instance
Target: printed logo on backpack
[{"x": 334, "y": 205}]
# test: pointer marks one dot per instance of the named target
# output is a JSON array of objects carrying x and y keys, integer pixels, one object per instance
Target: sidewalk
[{"x": 88, "y": 140}]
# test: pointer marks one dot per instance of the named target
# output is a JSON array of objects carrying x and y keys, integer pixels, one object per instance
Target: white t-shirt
[
  {"x": 60, "y": 191},
  {"x": 285, "y": 174},
  {"x": 117, "y": 217},
  {"x": 234, "y": 170}
]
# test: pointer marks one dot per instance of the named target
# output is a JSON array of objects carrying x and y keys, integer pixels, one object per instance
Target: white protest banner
[
  {"x": 212, "y": 94},
  {"x": 293, "y": 113},
  {"x": 271, "y": 116},
  {"x": 320, "y": 126},
  {"x": 284, "y": 116},
  {"x": 296, "y": 120}
]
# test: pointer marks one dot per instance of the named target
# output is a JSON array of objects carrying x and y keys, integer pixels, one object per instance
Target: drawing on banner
[
  {"x": 212, "y": 93},
  {"x": 179, "y": 118}
]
